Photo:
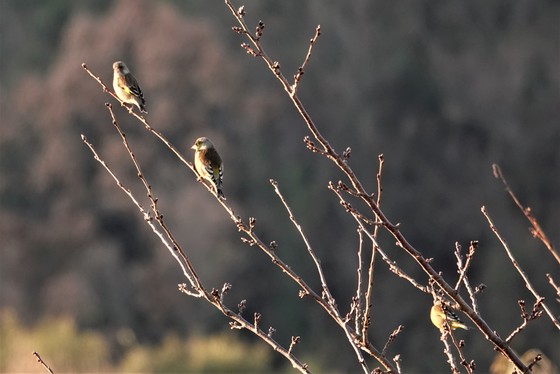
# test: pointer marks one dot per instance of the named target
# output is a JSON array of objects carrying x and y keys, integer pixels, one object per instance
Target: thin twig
[
  {"x": 294, "y": 342},
  {"x": 397, "y": 361},
  {"x": 554, "y": 285},
  {"x": 392, "y": 338},
  {"x": 341, "y": 162},
  {"x": 245, "y": 228},
  {"x": 301, "y": 69},
  {"x": 142, "y": 120},
  {"x": 40, "y": 360},
  {"x": 238, "y": 320},
  {"x": 331, "y": 302},
  {"x": 518, "y": 268},
  {"x": 366, "y": 318},
  {"x": 353, "y": 339},
  {"x": 536, "y": 312},
  {"x": 392, "y": 264},
  {"x": 148, "y": 218},
  {"x": 358, "y": 297},
  {"x": 191, "y": 274},
  {"x": 469, "y": 366},
  {"x": 445, "y": 332},
  {"x": 381, "y": 159},
  {"x": 537, "y": 230},
  {"x": 535, "y": 360},
  {"x": 326, "y": 292},
  {"x": 447, "y": 350},
  {"x": 462, "y": 269},
  {"x": 368, "y": 302}
]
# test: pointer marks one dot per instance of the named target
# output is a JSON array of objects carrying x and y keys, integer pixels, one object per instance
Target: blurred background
[{"x": 442, "y": 88}]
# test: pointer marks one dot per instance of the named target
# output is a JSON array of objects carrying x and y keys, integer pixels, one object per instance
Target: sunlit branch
[
  {"x": 40, "y": 360},
  {"x": 536, "y": 230},
  {"x": 341, "y": 162},
  {"x": 518, "y": 268},
  {"x": 462, "y": 269}
]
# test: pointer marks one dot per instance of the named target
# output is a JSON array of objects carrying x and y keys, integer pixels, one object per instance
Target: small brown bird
[
  {"x": 126, "y": 86},
  {"x": 208, "y": 164},
  {"x": 441, "y": 313}
]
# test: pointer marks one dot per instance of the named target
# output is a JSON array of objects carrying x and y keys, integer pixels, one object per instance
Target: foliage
[
  {"x": 58, "y": 339},
  {"x": 70, "y": 350}
]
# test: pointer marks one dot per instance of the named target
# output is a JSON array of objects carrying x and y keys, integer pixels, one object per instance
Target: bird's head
[
  {"x": 120, "y": 66},
  {"x": 202, "y": 144}
]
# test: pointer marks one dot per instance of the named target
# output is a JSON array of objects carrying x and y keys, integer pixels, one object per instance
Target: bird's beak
[{"x": 194, "y": 147}]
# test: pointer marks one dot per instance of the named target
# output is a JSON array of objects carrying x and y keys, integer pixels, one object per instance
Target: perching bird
[
  {"x": 208, "y": 163},
  {"x": 126, "y": 86},
  {"x": 441, "y": 312}
]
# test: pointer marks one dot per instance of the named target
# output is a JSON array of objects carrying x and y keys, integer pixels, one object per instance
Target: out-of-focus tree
[{"x": 442, "y": 89}]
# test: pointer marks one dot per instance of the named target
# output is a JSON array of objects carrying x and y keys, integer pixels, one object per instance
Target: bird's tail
[
  {"x": 142, "y": 103},
  {"x": 221, "y": 194},
  {"x": 459, "y": 325}
]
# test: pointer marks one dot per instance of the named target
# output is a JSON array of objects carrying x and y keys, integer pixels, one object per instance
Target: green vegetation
[{"x": 65, "y": 349}]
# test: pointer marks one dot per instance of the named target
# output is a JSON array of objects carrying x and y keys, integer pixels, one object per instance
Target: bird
[
  {"x": 127, "y": 87},
  {"x": 441, "y": 313},
  {"x": 208, "y": 164}
]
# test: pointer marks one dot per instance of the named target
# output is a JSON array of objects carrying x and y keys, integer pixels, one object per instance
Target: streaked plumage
[
  {"x": 126, "y": 86},
  {"x": 208, "y": 164},
  {"x": 440, "y": 312}
]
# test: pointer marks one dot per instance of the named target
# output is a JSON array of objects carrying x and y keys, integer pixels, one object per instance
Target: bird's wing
[{"x": 131, "y": 85}]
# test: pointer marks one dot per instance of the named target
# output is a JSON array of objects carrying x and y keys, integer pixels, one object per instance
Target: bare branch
[
  {"x": 393, "y": 229},
  {"x": 193, "y": 277},
  {"x": 353, "y": 339},
  {"x": 381, "y": 159},
  {"x": 365, "y": 226},
  {"x": 397, "y": 361},
  {"x": 40, "y": 360},
  {"x": 148, "y": 218},
  {"x": 366, "y": 318},
  {"x": 294, "y": 342},
  {"x": 518, "y": 268},
  {"x": 462, "y": 269},
  {"x": 358, "y": 298},
  {"x": 392, "y": 338},
  {"x": 446, "y": 331},
  {"x": 527, "y": 317},
  {"x": 215, "y": 297},
  {"x": 534, "y": 361},
  {"x": 241, "y": 226},
  {"x": 326, "y": 292},
  {"x": 392, "y": 264},
  {"x": 301, "y": 69},
  {"x": 556, "y": 288},
  {"x": 470, "y": 366},
  {"x": 536, "y": 230},
  {"x": 447, "y": 349},
  {"x": 142, "y": 120},
  {"x": 368, "y": 303}
]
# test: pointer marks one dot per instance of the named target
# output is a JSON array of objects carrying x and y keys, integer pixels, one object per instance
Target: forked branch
[
  {"x": 342, "y": 163},
  {"x": 517, "y": 267},
  {"x": 536, "y": 229}
]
